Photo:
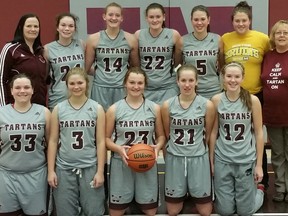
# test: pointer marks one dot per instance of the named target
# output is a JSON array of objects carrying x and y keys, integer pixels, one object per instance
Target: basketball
[{"x": 141, "y": 157}]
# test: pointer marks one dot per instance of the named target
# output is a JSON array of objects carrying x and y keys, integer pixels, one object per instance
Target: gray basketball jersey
[
  {"x": 156, "y": 55},
  {"x": 204, "y": 56},
  {"x": 77, "y": 135},
  {"x": 112, "y": 58},
  {"x": 134, "y": 125},
  {"x": 187, "y": 128},
  {"x": 22, "y": 137},
  {"x": 61, "y": 60},
  {"x": 236, "y": 142}
]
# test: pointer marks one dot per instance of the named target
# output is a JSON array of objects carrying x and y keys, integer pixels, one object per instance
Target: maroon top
[
  {"x": 17, "y": 58},
  {"x": 275, "y": 89}
]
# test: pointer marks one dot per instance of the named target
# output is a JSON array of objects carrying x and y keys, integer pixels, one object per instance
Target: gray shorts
[
  {"x": 235, "y": 189},
  {"x": 26, "y": 191},
  {"x": 126, "y": 184},
  {"x": 107, "y": 96},
  {"x": 160, "y": 95},
  {"x": 187, "y": 175},
  {"x": 74, "y": 190}
]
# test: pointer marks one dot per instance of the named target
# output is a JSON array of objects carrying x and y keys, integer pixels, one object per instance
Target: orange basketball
[{"x": 141, "y": 157}]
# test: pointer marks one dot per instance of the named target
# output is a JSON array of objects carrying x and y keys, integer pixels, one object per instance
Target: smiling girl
[
  {"x": 236, "y": 146},
  {"x": 63, "y": 54}
]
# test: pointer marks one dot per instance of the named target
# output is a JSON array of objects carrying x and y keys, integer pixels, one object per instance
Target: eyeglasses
[{"x": 281, "y": 33}]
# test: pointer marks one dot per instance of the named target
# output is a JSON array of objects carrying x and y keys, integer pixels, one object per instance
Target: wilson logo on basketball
[{"x": 142, "y": 155}]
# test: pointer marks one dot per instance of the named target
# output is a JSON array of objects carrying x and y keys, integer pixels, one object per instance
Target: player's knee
[
  {"x": 224, "y": 210},
  {"x": 245, "y": 211}
]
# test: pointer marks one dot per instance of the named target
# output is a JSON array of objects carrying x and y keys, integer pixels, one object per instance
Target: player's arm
[
  {"x": 258, "y": 130},
  {"x": 177, "y": 55},
  {"x": 134, "y": 53},
  {"x": 52, "y": 148},
  {"x": 214, "y": 132},
  {"x": 5, "y": 74},
  {"x": 178, "y": 59},
  {"x": 47, "y": 124},
  {"x": 101, "y": 148},
  {"x": 209, "y": 120},
  {"x": 166, "y": 118},
  {"x": 110, "y": 123},
  {"x": 159, "y": 130},
  {"x": 221, "y": 59},
  {"x": 90, "y": 54}
]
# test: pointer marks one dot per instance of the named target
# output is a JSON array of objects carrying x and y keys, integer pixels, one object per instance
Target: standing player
[
  {"x": 204, "y": 50},
  {"x": 78, "y": 125},
  {"x": 237, "y": 140},
  {"x": 63, "y": 54},
  {"x": 113, "y": 50},
  {"x": 247, "y": 47},
  {"x": 134, "y": 119},
  {"x": 24, "y": 130},
  {"x": 275, "y": 113},
  {"x": 188, "y": 120},
  {"x": 24, "y": 54},
  {"x": 156, "y": 49}
]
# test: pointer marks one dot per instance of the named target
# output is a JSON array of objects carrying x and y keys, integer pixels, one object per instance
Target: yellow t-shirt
[{"x": 248, "y": 49}]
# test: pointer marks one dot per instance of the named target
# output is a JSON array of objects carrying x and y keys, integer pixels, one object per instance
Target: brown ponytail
[{"x": 245, "y": 97}]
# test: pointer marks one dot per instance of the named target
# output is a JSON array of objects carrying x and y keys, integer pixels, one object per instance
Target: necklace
[
  {"x": 77, "y": 106},
  {"x": 232, "y": 101},
  {"x": 186, "y": 104}
]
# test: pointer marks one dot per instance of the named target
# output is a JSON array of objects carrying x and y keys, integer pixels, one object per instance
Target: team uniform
[
  {"x": 275, "y": 114},
  {"x": 76, "y": 162},
  {"x": 235, "y": 156},
  {"x": 23, "y": 169},
  {"x": 187, "y": 153},
  {"x": 203, "y": 54},
  {"x": 156, "y": 55},
  {"x": 133, "y": 126},
  {"x": 61, "y": 59},
  {"x": 17, "y": 58},
  {"x": 249, "y": 50},
  {"x": 112, "y": 58}
]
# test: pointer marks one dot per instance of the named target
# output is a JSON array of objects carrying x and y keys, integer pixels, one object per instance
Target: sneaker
[
  {"x": 279, "y": 197},
  {"x": 261, "y": 187}
]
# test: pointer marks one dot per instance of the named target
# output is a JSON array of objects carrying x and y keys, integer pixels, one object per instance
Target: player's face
[
  {"x": 281, "y": 37},
  {"x": 31, "y": 29},
  {"x": 241, "y": 23},
  {"x": 66, "y": 27},
  {"x": 113, "y": 17},
  {"x": 77, "y": 85},
  {"x": 155, "y": 18},
  {"x": 187, "y": 82},
  {"x": 233, "y": 78},
  {"x": 22, "y": 90},
  {"x": 200, "y": 21},
  {"x": 135, "y": 84}
]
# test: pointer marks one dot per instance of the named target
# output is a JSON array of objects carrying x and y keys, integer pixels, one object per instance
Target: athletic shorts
[
  {"x": 107, "y": 96},
  {"x": 74, "y": 190},
  {"x": 26, "y": 191},
  {"x": 126, "y": 184},
  {"x": 160, "y": 95},
  {"x": 187, "y": 175}
]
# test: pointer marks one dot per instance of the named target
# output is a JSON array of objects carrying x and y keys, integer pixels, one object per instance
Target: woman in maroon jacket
[{"x": 24, "y": 55}]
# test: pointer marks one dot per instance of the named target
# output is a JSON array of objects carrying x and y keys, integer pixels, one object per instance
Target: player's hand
[
  {"x": 123, "y": 153},
  {"x": 98, "y": 180},
  {"x": 258, "y": 174},
  {"x": 52, "y": 179},
  {"x": 156, "y": 151}
]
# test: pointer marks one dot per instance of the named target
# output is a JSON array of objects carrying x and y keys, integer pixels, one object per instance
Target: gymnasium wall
[{"x": 265, "y": 14}]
